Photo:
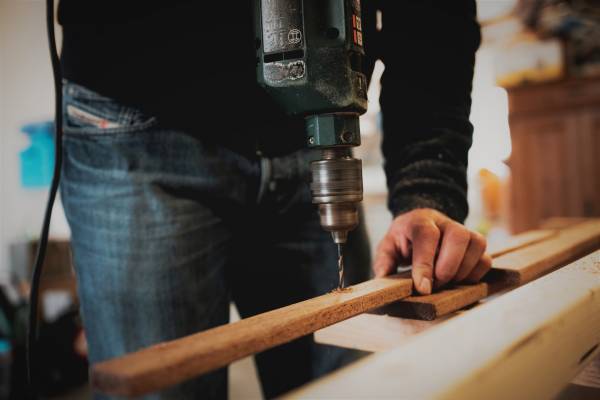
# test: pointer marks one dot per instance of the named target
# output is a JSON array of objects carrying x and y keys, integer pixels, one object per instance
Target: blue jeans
[{"x": 168, "y": 228}]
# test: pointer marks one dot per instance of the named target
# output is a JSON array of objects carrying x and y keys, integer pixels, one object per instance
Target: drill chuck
[{"x": 337, "y": 189}]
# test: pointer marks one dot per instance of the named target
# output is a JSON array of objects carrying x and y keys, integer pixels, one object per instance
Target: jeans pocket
[{"x": 86, "y": 112}]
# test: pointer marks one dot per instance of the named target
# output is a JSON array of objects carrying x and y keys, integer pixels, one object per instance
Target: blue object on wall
[{"x": 37, "y": 161}]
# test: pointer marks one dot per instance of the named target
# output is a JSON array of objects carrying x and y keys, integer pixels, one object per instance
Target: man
[{"x": 186, "y": 186}]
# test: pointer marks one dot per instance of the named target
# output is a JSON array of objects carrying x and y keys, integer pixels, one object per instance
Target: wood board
[
  {"x": 519, "y": 241},
  {"x": 373, "y": 332},
  {"x": 512, "y": 269},
  {"x": 531, "y": 262},
  {"x": 561, "y": 222},
  {"x": 166, "y": 364},
  {"x": 526, "y": 344}
]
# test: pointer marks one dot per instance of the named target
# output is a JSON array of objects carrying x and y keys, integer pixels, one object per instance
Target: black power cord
[{"x": 43, "y": 242}]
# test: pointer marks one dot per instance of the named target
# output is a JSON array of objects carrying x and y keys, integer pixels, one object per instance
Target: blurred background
[{"x": 536, "y": 112}]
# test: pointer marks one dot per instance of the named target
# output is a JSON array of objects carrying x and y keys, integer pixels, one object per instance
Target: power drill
[{"x": 309, "y": 59}]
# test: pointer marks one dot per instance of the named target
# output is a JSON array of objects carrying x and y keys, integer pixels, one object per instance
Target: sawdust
[{"x": 342, "y": 290}]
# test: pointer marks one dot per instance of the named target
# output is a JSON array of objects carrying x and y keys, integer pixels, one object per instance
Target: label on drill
[{"x": 285, "y": 71}]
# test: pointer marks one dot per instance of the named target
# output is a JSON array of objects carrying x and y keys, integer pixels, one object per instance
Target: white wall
[{"x": 26, "y": 95}]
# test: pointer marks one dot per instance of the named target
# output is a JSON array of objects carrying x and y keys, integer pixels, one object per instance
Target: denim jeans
[{"x": 168, "y": 228}]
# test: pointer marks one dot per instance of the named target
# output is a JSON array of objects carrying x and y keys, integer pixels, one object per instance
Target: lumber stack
[
  {"x": 521, "y": 240},
  {"x": 527, "y": 344},
  {"x": 172, "y": 362}
]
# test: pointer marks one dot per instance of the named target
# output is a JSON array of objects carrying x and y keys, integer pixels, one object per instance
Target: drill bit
[{"x": 340, "y": 265}]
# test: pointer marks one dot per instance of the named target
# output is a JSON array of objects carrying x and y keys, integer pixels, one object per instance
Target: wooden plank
[
  {"x": 561, "y": 222},
  {"x": 519, "y": 241},
  {"x": 169, "y": 363},
  {"x": 437, "y": 304},
  {"x": 509, "y": 270},
  {"x": 531, "y": 262},
  {"x": 373, "y": 332},
  {"x": 527, "y": 344},
  {"x": 590, "y": 376}
]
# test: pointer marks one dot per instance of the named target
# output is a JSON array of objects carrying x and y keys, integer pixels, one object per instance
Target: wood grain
[
  {"x": 373, "y": 332},
  {"x": 509, "y": 270},
  {"x": 527, "y": 344},
  {"x": 531, "y": 262},
  {"x": 561, "y": 222},
  {"x": 169, "y": 363},
  {"x": 519, "y": 241},
  {"x": 437, "y": 304}
]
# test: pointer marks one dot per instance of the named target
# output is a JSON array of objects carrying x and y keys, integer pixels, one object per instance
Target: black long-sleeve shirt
[{"x": 192, "y": 64}]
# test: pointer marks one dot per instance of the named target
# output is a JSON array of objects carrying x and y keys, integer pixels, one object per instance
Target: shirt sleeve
[{"x": 428, "y": 48}]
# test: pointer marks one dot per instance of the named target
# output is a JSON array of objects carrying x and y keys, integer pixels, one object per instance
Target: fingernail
[{"x": 425, "y": 286}]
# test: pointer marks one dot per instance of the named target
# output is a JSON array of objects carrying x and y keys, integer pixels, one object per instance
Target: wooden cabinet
[{"x": 555, "y": 159}]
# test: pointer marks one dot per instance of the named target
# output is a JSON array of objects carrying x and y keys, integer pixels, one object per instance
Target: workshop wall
[{"x": 26, "y": 95}]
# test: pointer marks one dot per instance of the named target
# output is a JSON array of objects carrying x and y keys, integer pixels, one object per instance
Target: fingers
[
  {"x": 385, "y": 257},
  {"x": 482, "y": 268},
  {"x": 392, "y": 248},
  {"x": 424, "y": 236},
  {"x": 477, "y": 245},
  {"x": 417, "y": 235},
  {"x": 455, "y": 242}
]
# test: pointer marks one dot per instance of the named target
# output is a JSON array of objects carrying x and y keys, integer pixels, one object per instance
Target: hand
[{"x": 417, "y": 235}]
